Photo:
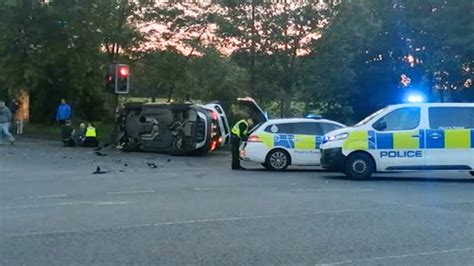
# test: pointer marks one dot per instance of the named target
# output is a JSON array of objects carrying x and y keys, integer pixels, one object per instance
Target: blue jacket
[{"x": 64, "y": 112}]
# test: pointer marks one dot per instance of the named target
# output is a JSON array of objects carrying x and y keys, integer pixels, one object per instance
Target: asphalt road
[{"x": 195, "y": 210}]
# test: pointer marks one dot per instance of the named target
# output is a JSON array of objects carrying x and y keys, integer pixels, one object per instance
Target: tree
[
  {"x": 379, "y": 43},
  {"x": 61, "y": 49},
  {"x": 159, "y": 72},
  {"x": 275, "y": 38}
]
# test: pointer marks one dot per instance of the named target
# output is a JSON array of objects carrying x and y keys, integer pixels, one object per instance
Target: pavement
[{"x": 154, "y": 209}]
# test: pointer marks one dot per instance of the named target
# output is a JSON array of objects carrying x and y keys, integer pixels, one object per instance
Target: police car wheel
[
  {"x": 359, "y": 166},
  {"x": 278, "y": 160}
]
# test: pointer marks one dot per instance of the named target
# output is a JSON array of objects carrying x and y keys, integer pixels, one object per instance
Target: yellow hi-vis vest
[
  {"x": 236, "y": 128},
  {"x": 91, "y": 132}
]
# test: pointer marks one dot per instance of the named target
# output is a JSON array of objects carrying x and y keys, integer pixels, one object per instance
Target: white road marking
[
  {"x": 333, "y": 190},
  {"x": 130, "y": 192},
  {"x": 210, "y": 220},
  {"x": 293, "y": 189},
  {"x": 44, "y": 196},
  {"x": 95, "y": 203},
  {"x": 408, "y": 255},
  {"x": 215, "y": 189},
  {"x": 399, "y": 203}
]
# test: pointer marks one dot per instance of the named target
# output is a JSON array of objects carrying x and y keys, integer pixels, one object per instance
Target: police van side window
[
  {"x": 407, "y": 118},
  {"x": 451, "y": 117}
]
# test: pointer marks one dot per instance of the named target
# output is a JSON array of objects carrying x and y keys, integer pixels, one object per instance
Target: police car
[
  {"x": 423, "y": 136},
  {"x": 278, "y": 143}
]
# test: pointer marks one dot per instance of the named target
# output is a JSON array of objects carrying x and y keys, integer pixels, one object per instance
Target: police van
[{"x": 422, "y": 136}]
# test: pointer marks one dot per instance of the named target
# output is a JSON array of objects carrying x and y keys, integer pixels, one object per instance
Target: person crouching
[
  {"x": 80, "y": 134},
  {"x": 67, "y": 133},
  {"x": 90, "y": 139}
]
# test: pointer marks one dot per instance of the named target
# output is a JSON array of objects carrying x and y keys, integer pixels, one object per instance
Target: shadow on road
[
  {"x": 406, "y": 179},
  {"x": 287, "y": 171}
]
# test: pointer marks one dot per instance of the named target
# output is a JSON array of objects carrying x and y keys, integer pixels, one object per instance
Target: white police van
[{"x": 422, "y": 136}]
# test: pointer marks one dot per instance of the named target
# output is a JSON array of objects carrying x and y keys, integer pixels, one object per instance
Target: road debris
[
  {"x": 152, "y": 165},
  {"x": 99, "y": 171}
]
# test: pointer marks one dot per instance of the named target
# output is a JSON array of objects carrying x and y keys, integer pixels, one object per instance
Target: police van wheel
[
  {"x": 278, "y": 160},
  {"x": 359, "y": 166}
]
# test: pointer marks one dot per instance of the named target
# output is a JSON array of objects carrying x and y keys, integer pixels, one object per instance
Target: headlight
[{"x": 336, "y": 137}]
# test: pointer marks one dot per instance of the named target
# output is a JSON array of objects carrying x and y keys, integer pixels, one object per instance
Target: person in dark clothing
[
  {"x": 13, "y": 105},
  {"x": 67, "y": 134},
  {"x": 239, "y": 133}
]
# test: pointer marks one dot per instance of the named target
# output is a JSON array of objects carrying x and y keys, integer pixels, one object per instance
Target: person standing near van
[
  {"x": 239, "y": 133},
  {"x": 63, "y": 113},
  {"x": 5, "y": 121}
]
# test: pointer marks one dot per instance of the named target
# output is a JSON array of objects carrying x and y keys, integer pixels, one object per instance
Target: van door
[
  {"x": 399, "y": 142},
  {"x": 450, "y": 138}
]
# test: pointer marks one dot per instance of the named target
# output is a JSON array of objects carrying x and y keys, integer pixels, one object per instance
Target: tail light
[
  {"x": 254, "y": 138},
  {"x": 214, "y": 115},
  {"x": 213, "y": 145}
]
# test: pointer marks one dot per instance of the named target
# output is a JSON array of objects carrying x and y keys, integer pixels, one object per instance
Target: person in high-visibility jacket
[
  {"x": 239, "y": 133},
  {"x": 90, "y": 137}
]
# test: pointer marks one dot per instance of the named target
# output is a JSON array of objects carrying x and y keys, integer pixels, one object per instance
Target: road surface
[{"x": 156, "y": 209}]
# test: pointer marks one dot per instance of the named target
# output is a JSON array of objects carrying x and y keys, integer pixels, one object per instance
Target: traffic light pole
[{"x": 118, "y": 82}]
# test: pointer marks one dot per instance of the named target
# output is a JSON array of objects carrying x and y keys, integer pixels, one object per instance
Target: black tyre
[
  {"x": 278, "y": 160},
  {"x": 359, "y": 166}
]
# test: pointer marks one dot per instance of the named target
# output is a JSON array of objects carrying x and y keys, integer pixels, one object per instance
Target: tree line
[{"x": 342, "y": 59}]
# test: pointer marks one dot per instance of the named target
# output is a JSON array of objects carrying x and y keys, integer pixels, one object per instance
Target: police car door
[
  {"x": 450, "y": 137},
  {"x": 398, "y": 140},
  {"x": 284, "y": 137},
  {"x": 306, "y": 150}
]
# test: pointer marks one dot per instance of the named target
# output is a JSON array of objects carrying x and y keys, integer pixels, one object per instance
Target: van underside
[{"x": 177, "y": 128}]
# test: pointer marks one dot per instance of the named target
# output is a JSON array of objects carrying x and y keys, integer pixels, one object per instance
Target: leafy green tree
[
  {"x": 275, "y": 38},
  {"x": 380, "y": 42},
  {"x": 61, "y": 49}
]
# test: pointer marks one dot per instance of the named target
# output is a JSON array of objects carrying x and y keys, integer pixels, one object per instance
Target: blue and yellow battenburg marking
[
  {"x": 293, "y": 141},
  {"x": 415, "y": 139}
]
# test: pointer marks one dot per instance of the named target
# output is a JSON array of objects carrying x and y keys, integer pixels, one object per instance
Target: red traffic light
[{"x": 123, "y": 71}]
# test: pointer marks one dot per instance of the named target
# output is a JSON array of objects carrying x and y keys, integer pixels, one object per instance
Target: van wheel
[
  {"x": 277, "y": 160},
  {"x": 359, "y": 166}
]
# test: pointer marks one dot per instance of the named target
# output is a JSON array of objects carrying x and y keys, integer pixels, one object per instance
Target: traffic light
[{"x": 122, "y": 79}]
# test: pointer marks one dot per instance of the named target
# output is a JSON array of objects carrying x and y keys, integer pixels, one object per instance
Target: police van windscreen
[{"x": 369, "y": 118}]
